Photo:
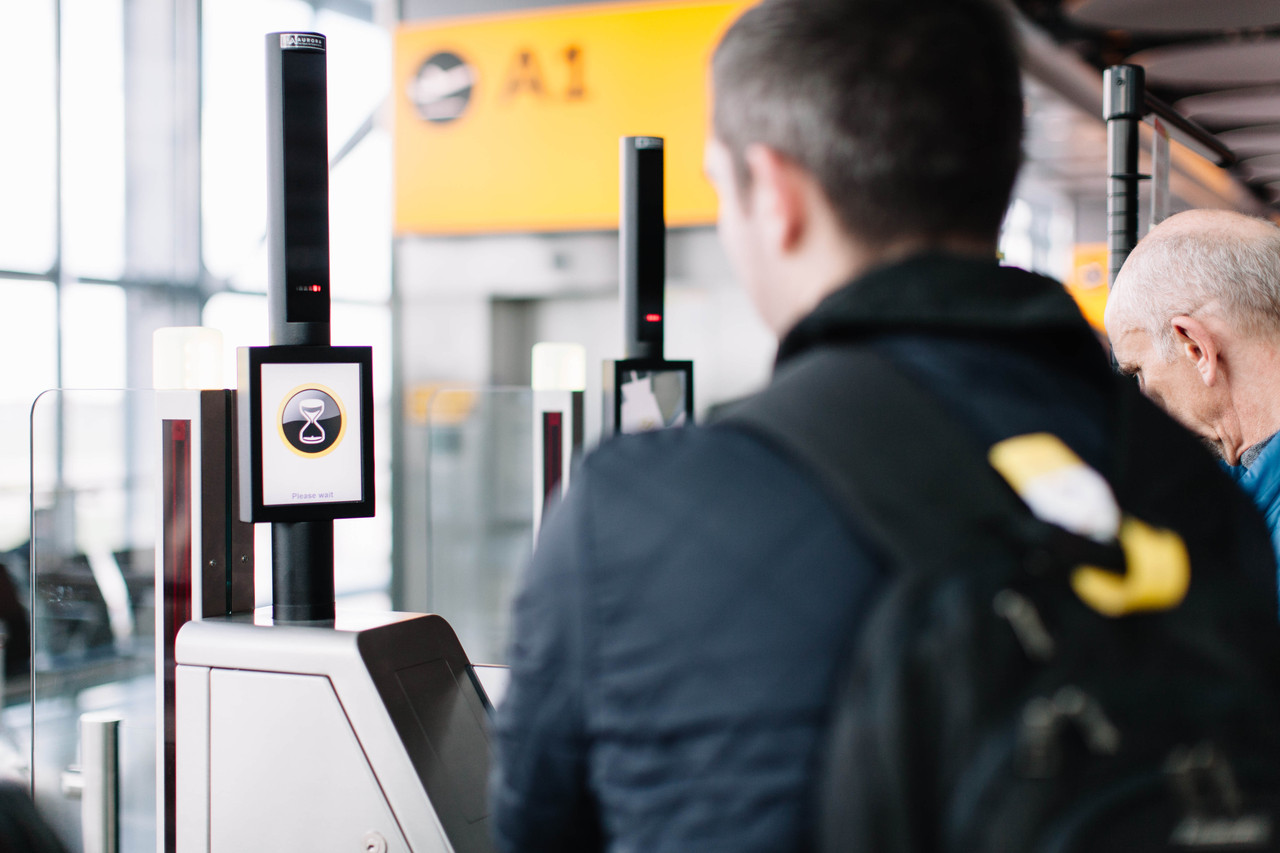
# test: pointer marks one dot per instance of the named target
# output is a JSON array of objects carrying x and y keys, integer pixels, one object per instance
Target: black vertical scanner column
[
  {"x": 643, "y": 237},
  {"x": 298, "y": 283},
  {"x": 1123, "y": 108}
]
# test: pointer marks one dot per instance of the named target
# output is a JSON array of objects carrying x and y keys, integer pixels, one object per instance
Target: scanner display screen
[
  {"x": 311, "y": 434},
  {"x": 306, "y": 433},
  {"x": 652, "y": 399}
]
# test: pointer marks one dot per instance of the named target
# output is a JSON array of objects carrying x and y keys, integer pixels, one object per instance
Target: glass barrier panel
[
  {"x": 15, "y": 587},
  {"x": 479, "y": 510},
  {"x": 91, "y": 600}
]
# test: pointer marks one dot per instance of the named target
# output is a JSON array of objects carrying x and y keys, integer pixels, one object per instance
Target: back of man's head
[
  {"x": 908, "y": 113},
  {"x": 1215, "y": 262}
]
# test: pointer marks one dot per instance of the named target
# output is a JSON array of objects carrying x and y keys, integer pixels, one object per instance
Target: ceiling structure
[{"x": 1216, "y": 62}]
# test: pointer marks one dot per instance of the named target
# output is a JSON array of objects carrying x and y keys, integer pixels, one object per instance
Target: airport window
[
  {"x": 359, "y": 63},
  {"x": 93, "y": 336},
  {"x": 1016, "y": 246},
  {"x": 360, "y": 222},
  {"x": 28, "y": 155},
  {"x": 242, "y": 320},
  {"x": 93, "y": 163},
  {"x": 1038, "y": 234},
  {"x": 28, "y": 338}
]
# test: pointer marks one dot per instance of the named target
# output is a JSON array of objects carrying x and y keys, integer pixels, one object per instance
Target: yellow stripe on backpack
[
  {"x": 1157, "y": 573},
  {"x": 1061, "y": 489}
]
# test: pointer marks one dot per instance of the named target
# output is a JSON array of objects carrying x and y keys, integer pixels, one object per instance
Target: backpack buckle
[
  {"x": 1204, "y": 783},
  {"x": 1045, "y": 719}
]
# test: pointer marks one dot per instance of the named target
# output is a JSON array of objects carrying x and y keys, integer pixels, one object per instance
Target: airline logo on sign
[
  {"x": 511, "y": 122},
  {"x": 441, "y": 90}
]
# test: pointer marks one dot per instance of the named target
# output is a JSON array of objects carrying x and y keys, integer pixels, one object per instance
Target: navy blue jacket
[{"x": 680, "y": 630}]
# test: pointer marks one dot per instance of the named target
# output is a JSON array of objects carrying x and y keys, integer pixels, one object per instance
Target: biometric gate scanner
[
  {"x": 643, "y": 391},
  {"x": 299, "y": 728}
]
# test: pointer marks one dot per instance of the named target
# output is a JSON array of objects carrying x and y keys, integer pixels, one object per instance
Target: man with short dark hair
[{"x": 682, "y": 626}]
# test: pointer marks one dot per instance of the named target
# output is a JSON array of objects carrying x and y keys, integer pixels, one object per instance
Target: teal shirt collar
[{"x": 1262, "y": 481}]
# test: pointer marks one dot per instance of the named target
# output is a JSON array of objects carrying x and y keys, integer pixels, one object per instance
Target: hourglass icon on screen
[
  {"x": 312, "y": 421},
  {"x": 311, "y": 432}
]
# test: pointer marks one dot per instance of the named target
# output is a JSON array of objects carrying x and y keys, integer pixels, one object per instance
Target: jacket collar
[{"x": 937, "y": 292}]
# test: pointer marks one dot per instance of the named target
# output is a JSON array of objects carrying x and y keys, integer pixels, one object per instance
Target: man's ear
[
  {"x": 1199, "y": 346},
  {"x": 776, "y": 196}
]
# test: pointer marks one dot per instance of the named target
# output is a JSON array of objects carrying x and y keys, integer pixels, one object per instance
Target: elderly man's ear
[{"x": 1198, "y": 345}]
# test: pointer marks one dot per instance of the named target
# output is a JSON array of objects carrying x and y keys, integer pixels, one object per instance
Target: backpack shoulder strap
[{"x": 894, "y": 459}]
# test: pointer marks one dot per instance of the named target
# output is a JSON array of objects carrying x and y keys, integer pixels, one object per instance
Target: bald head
[
  {"x": 1194, "y": 315},
  {"x": 1201, "y": 262}
]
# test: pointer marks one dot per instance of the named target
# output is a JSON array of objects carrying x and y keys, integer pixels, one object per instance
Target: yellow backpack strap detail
[
  {"x": 1157, "y": 576},
  {"x": 1057, "y": 486},
  {"x": 1025, "y": 458},
  {"x": 1061, "y": 489}
]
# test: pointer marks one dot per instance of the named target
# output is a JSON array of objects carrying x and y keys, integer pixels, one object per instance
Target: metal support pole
[
  {"x": 302, "y": 571},
  {"x": 1123, "y": 109},
  {"x": 100, "y": 769}
]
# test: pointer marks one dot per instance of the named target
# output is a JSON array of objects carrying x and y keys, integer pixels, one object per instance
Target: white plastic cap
[
  {"x": 186, "y": 358},
  {"x": 559, "y": 367}
]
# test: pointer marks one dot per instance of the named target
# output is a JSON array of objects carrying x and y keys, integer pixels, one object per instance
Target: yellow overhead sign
[
  {"x": 511, "y": 122},
  {"x": 1087, "y": 282}
]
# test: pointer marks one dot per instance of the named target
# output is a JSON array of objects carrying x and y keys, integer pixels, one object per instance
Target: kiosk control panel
[{"x": 369, "y": 734}]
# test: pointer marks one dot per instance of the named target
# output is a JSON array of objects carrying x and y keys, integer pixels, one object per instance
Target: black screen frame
[{"x": 652, "y": 365}]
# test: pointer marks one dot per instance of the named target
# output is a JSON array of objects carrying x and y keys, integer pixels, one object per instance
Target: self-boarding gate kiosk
[{"x": 298, "y": 728}]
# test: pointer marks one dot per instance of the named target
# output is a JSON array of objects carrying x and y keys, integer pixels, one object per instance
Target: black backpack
[{"x": 987, "y": 706}]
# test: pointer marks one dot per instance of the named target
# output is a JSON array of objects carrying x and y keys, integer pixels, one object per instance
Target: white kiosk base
[{"x": 361, "y": 736}]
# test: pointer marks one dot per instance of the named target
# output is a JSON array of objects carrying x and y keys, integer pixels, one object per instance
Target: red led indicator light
[
  {"x": 653, "y": 318},
  {"x": 315, "y": 288}
]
